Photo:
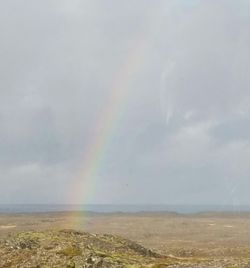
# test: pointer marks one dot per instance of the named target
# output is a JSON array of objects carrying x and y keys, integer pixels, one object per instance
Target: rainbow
[{"x": 110, "y": 116}]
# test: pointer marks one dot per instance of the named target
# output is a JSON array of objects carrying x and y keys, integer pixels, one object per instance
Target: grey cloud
[
  {"x": 185, "y": 123},
  {"x": 234, "y": 129}
]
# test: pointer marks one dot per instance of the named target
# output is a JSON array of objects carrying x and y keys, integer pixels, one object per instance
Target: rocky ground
[{"x": 69, "y": 248}]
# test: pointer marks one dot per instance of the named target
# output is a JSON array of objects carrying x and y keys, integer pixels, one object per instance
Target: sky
[{"x": 180, "y": 132}]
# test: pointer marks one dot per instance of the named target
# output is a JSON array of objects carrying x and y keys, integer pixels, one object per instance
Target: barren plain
[{"x": 197, "y": 240}]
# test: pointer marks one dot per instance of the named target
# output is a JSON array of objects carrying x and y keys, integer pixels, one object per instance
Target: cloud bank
[{"x": 183, "y": 136}]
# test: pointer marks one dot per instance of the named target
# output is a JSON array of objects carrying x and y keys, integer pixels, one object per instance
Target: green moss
[
  {"x": 69, "y": 248},
  {"x": 32, "y": 235},
  {"x": 70, "y": 251}
]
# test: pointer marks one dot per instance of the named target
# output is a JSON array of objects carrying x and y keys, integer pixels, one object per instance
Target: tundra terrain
[{"x": 163, "y": 239}]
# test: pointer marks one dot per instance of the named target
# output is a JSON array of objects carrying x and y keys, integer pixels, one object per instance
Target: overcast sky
[{"x": 183, "y": 132}]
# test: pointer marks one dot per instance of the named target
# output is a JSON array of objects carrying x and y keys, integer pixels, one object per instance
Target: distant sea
[{"x": 185, "y": 209}]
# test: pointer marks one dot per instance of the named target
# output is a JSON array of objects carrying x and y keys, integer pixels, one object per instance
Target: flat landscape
[{"x": 194, "y": 240}]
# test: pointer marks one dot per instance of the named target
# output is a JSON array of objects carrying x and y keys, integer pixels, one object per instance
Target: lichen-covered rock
[{"x": 73, "y": 249}]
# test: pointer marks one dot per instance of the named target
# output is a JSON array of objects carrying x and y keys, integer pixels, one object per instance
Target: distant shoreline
[
  {"x": 127, "y": 209},
  {"x": 168, "y": 210}
]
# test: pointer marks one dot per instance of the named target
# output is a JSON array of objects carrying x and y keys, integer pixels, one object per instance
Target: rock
[{"x": 73, "y": 249}]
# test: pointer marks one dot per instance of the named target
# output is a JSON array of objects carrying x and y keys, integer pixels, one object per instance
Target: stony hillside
[
  {"x": 68, "y": 248},
  {"x": 73, "y": 249}
]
